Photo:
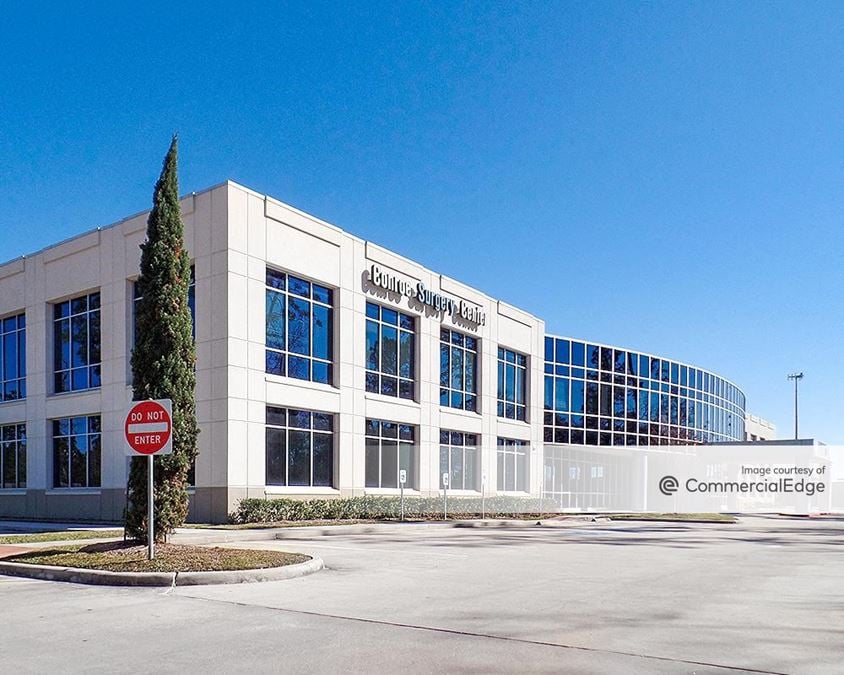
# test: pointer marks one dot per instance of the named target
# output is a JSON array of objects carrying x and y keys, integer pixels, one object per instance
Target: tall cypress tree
[{"x": 163, "y": 358}]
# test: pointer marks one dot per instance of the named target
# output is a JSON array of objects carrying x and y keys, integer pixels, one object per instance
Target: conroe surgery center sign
[{"x": 421, "y": 293}]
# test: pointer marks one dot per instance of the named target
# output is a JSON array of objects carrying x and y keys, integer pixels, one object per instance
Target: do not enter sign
[{"x": 149, "y": 427}]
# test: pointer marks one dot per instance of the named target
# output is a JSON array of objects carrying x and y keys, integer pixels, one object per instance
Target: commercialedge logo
[
  {"x": 421, "y": 293},
  {"x": 668, "y": 485}
]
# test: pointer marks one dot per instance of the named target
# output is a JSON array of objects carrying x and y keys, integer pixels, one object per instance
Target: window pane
[
  {"x": 389, "y": 464},
  {"x": 79, "y": 341},
  {"x": 298, "y": 367},
  {"x": 9, "y": 464},
  {"x": 10, "y": 356},
  {"x": 299, "y": 419},
  {"x": 299, "y": 458},
  {"x": 322, "y": 332},
  {"x": 322, "y": 459},
  {"x": 299, "y": 326},
  {"x": 275, "y": 320},
  {"x": 407, "y": 461},
  {"x": 389, "y": 350},
  {"x": 456, "y": 368},
  {"x": 561, "y": 400},
  {"x": 322, "y": 294},
  {"x": 373, "y": 470},
  {"x": 94, "y": 460},
  {"x": 22, "y": 463},
  {"x": 372, "y": 345},
  {"x": 94, "y": 338},
  {"x": 61, "y": 344},
  {"x": 78, "y": 461},
  {"x": 471, "y": 360},
  {"x": 275, "y": 279},
  {"x": 60, "y": 462},
  {"x": 577, "y": 353},
  {"x": 577, "y": 396},
  {"x": 406, "y": 368},
  {"x": 298, "y": 286},
  {"x": 79, "y": 305},
  {"x": 276, "y": 456},
  {"x": 456, "y": 481}
]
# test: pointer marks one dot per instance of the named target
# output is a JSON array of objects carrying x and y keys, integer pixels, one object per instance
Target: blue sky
[{"x": 662, "y": 176}]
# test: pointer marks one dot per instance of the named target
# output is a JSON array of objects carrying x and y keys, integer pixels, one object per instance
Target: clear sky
[{"x": 666, "y": 177}]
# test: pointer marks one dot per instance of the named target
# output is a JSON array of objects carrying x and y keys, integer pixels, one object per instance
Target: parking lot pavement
[{"x": 765, "y": 595}]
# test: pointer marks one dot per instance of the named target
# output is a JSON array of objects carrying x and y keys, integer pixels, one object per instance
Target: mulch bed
[{"x": 132, "y": 557}]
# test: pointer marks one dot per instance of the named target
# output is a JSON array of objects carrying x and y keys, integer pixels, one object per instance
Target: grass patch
[
  {"x": 131, "y": 557},
  {"x": 686, "y": 517},
  {"x": 35, "y": 537}
]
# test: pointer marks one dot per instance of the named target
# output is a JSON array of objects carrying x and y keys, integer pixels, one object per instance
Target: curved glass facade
[{"x": 601, "y": 395}]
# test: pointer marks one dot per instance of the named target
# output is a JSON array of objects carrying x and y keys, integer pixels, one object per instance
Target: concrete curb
[
  {"x": 315, "y": 564},
  {"x": 104, "y": 578}
]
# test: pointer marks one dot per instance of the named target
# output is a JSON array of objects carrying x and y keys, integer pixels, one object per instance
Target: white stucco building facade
[{"x": 347, "y": 389}]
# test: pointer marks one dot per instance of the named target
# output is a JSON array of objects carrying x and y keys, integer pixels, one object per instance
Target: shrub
[{"x": 379, "y": 507}]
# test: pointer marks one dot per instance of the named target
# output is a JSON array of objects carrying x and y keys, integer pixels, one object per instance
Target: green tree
[{"x": 163, "y": 358}]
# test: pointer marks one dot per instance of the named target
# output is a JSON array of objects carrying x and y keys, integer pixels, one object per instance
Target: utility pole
[{"x": 796, "y": 377}]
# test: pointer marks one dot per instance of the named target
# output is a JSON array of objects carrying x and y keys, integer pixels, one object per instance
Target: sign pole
[
  {"x": 445, "y": 496},
  {"x": 483, "y": 496},
  {"x": 150, "y": 509},
  {"x": 402, "y": 481}
]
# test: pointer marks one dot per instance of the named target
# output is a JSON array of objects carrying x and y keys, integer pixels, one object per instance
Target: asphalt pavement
[{"x": 764, "y": 595}]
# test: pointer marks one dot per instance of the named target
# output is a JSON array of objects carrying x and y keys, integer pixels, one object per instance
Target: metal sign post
[
  {"x": 402, "y": 481},
  {"x": 150, "y": 510},
  {"x": 483, "y": 495},
  {"x": 148, "y": 430},
  {"x": 445, "y": 496}
]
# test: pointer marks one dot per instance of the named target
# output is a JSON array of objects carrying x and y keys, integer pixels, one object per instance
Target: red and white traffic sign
[{"x": 149, "y": 427}]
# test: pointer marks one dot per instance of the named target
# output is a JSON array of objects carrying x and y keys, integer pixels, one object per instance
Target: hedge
[{"x": 372, "y": 507}]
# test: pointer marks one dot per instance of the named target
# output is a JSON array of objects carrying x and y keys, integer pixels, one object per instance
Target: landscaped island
[{"x": 132, "y": 557}]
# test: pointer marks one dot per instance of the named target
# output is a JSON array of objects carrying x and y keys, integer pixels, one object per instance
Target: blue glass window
[
  {"x": 578, "y": 354},
  {"x": 77, "y": 452},
  {"x": 593, "y": 358},
  {"x": 299, "y": 447},
  {"x": 512, "y": 379},
  {"x": 13, "y": 358},
  {"x": 458, "y": 370},
  {"x": 13, "y": 456},
  {"x": 76, "y": 343},
  {"x": 390, "y": 352},
  {"x": 577, "y": 396},
  {"x": 633, "y": 399},
  {"x": 300, "y": 328},
  {"x": 562, "y": 351}
]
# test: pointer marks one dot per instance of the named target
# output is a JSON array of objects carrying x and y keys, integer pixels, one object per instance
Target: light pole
[{"x": 796, "y": 377}]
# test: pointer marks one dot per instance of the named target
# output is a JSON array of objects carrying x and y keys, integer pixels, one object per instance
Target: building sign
[{"x": 422, "y": 294}]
